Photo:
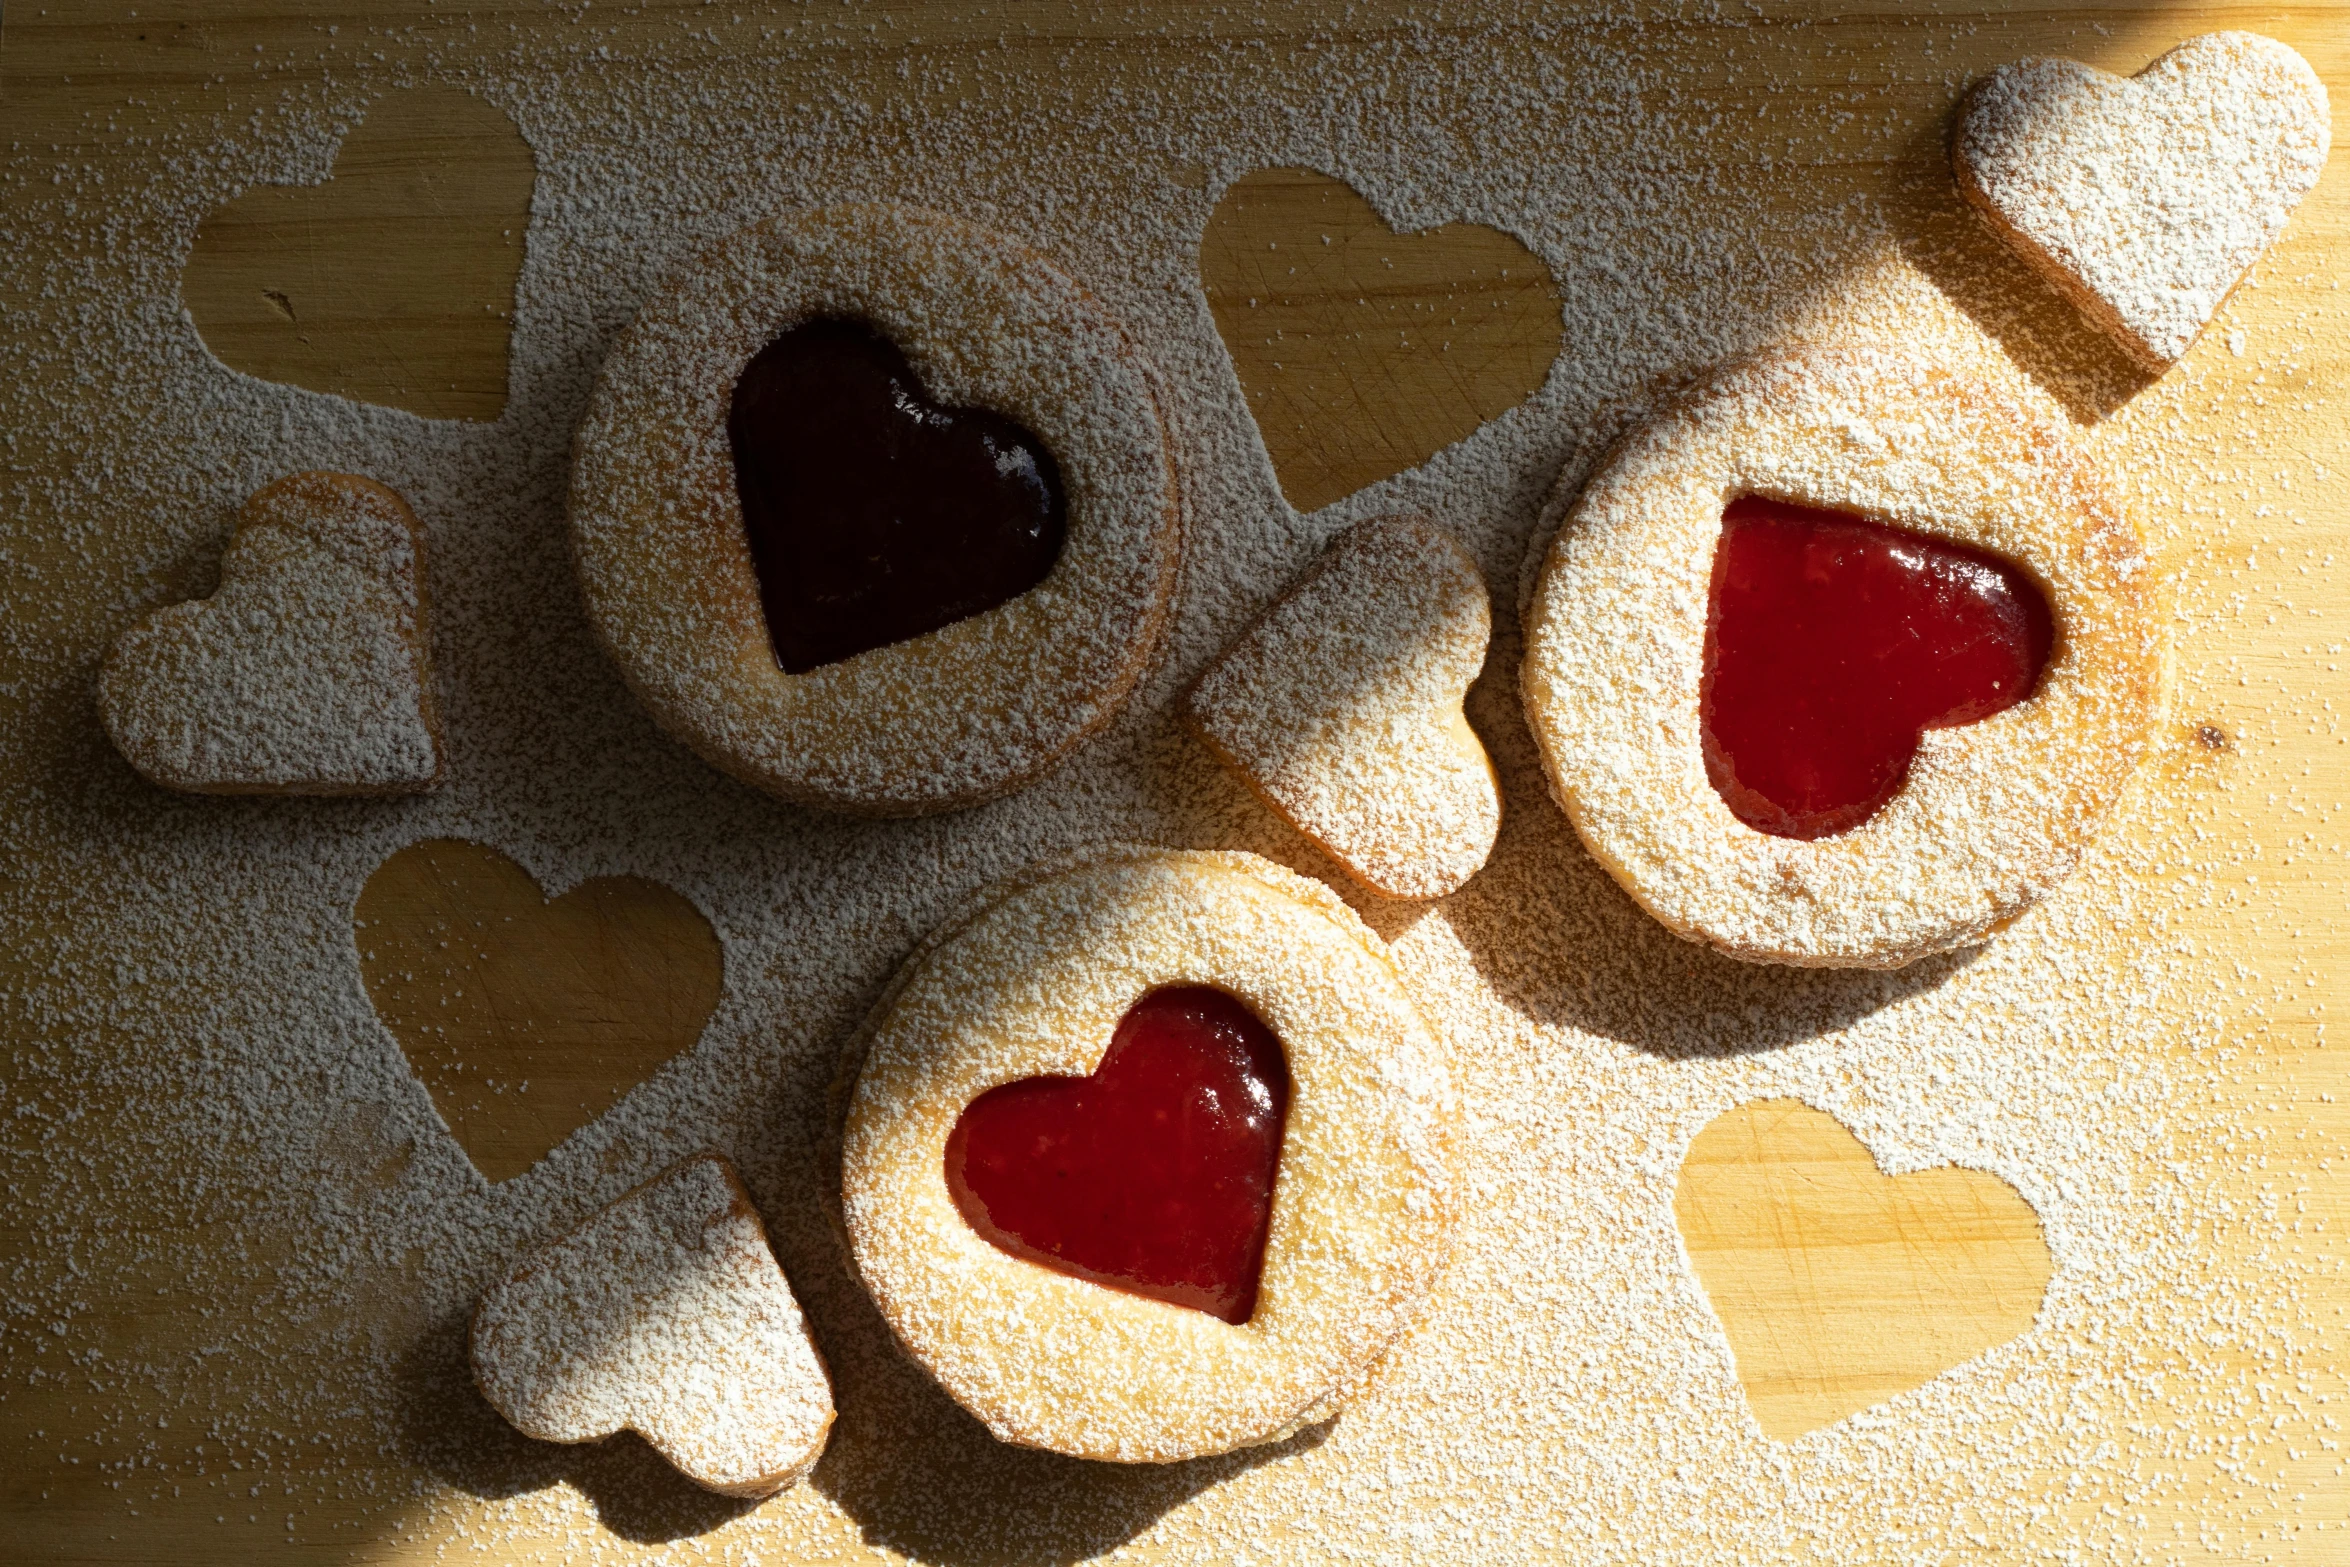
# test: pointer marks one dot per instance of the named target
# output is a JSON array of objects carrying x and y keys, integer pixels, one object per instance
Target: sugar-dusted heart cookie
[
  {"x": 1342, "y": 708},
  {"x": 2146, "y": 199},
  {"x": 666, "y": 1315},
  {"x": 308, "y": 672},
  {"x": 1837, "y": 1285},
  {"x": 527, "y": 1017}
]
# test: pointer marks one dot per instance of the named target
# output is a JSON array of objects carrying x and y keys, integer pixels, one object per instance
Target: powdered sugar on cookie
[
  {"x": 1342, "y": 708},
  {"x": 308, "y": 672},
  {"x": 664, "y": 1314},
  {"x": 2146, "y": 199}
]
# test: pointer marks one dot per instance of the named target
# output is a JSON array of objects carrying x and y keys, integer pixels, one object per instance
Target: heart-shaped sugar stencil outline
[
  {"x": 527, "y": 1018},
  {"x": 1363, "y": 350},
  {"x": 1397, "y": 601},
  {"x": 392, "y": 280},
  {"x": 1786, "y": 1220},
  {"x": 2094, "y": 178}
]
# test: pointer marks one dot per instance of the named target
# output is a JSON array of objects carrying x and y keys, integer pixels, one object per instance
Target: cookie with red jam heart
[
  {"x": 1841, "y": 659},
  {"x": 875, "y": 510},
  {"x": 1149, "y": 1156}
]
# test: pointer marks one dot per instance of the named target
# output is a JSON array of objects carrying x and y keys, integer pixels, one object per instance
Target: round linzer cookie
[
  {"x": 1841, "y": 659},
  {"x": 308, "y": 672},
  {"x": 663, "y": 1314},
  {"x": 1072, "y": 1272},
  {"x": 875, "y": 510}
]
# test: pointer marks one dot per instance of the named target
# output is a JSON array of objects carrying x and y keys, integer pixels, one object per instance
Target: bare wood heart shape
[
  {"x": 391, "y": 283},
  {"x": 1364, "y": 352},
  {"x": 527, "y": 1018},
  {"x": 1341, "y": 708},
  {"x": 1840, "y": 1286}
]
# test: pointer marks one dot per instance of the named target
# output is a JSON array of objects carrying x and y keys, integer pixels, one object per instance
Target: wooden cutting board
[{"x": 1789, "y": 1223}]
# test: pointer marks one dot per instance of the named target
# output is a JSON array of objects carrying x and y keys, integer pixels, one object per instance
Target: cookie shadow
[
  {"x": 1941, "y": 234},
  {"x": 925, "y": 1480},
  {"x": 447, "y": 1427},
  {"x": 1607, "y": 967}
]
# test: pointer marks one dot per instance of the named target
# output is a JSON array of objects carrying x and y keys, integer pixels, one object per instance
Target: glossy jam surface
[
  {"x": 1154, "y": 1175},
  {"x": 1833, "y": 643},
  {"x": 876, "y": 516}
]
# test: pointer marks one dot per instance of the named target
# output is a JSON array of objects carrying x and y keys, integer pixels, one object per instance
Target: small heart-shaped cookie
[
  {"x": 527, "y": 1017},
  {"x": 1342, "y": 708},
  {"x": 1837, "y": 1285},
  {"x": 666, "y": 1315},
  {"x": 308, "y": 672},
  {"x": 2146, "y": 199}
]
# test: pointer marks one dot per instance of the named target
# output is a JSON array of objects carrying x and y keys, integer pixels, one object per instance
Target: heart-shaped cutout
[
  {"x": 309, "y": 671},
  {"x": 1364, "y": 352},
  {"x": 875, "y": 515},
  {"x": 391, "y": 283},
  {"x": 1341, "y": 708},
  {"x": 527, "y": 1018},
  {"x": 1834, "y": 643},
  {"x": 2146, "y": 199},
  {"x": 1154, "y": 1175},
  {"x": 1837, "y": 1285},
  {"x": 664, "y": 1314}
]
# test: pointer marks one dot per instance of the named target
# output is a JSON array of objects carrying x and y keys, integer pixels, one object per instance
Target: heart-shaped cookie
[
  {"x": 1155, "y": 1174},
  {"x": 2146, "y": 199},
  {"x": 1364, "y": 352},
  {"x": 1342, "y": 708},
  {"x": 1840, "y": 1286},
  {"x": 393, "y": 282},
  {"x": 1834, "y": 643},
  {"x": 666, "y": 1315},
  {"x": 308, "y": 672},
  {"x": 874, "y": 514},
  {"x": 527, "y": 1018}
]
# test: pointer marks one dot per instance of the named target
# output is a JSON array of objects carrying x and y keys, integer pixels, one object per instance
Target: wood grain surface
[{"x": 1811, "y": 1254}]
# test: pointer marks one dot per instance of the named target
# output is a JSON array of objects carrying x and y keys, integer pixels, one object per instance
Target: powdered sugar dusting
[{"x": 200, "y": 1101}]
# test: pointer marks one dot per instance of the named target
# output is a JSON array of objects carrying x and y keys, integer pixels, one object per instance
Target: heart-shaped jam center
[
  {"x": 1833, "y": 643},
  {"x": 876, "y": 516},
  {"x": 1154, "y": 1175}
]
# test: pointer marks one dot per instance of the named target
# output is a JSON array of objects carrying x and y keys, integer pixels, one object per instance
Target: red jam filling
[
  {"x": 874, "y": 515},
  {"x": 1154, "y": 1175},
  {"x": 1833, "y": 643}
]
